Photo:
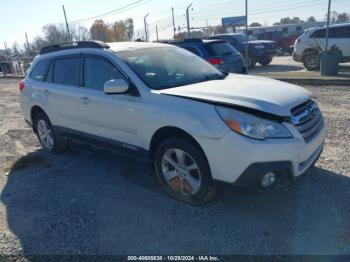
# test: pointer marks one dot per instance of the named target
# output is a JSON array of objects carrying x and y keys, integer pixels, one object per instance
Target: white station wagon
[
  {"x": 198, "y": 125},
  {"x": 308, "y": 46}
]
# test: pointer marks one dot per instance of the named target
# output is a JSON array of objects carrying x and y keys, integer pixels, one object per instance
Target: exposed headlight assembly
[{"x": 252, "y": 126}]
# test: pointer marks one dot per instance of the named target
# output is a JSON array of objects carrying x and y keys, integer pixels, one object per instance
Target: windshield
[
  {"x": 239, "y": 38},
  {"x": 166, "y": 67},
  {"x": 253, "y": 37}
]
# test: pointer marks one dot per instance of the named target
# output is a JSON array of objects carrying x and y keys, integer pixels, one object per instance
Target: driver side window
[{"x": 97, "y": 71}]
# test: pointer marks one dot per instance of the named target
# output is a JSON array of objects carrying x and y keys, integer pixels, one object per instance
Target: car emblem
[{"x": 310, "y": 112}]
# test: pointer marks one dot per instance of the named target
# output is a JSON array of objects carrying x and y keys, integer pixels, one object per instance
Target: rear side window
[
  {"x": 97, "y": 71},
  {"x": 221, "y": 49},
  {"x": 192, "y": 50},
  {"x": 319, "y": 33},
  {"x": 39, "y": 70},
  {"x": 339, "y": 32},
  {"x": 66, "y": 71}
]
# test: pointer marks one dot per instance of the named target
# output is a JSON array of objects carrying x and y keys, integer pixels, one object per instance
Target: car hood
[{"x": 258, "y": 93}]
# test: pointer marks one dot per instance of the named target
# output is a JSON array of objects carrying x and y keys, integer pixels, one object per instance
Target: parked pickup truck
[{"x": 284, "y": 43}]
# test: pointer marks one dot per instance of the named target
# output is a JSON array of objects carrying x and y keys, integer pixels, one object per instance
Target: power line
[
  {"x": 128, "y": 6},
  {"x": 269, "y": 10}
]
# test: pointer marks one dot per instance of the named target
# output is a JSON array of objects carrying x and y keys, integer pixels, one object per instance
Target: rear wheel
[
  {"x": 280, "y": 50},
  {"x": 251, "y": 62},
  {"x": 46, "y": 134},
  {"x": 183, "y": 171},
  {"x": 265, "y": 61},
  {"x": 311, "y": 61}
]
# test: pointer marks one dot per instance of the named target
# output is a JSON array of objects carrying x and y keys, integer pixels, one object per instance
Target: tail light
[
  {"x": 21, "y": 85},
  {"x": 215, "y": 61}
]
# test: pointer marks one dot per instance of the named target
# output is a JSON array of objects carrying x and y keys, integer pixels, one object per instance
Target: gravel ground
[{"x": 89, "y": 201}]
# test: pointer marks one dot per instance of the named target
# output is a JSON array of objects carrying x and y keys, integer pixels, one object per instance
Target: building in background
[{"x": 288, "y": 29}]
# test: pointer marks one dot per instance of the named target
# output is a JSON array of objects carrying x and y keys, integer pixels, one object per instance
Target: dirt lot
[
  {"x": 92, "y": 202},
  {"x": 285, "y": 66}
]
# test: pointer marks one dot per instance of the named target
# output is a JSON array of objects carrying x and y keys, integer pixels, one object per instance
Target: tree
[
  {"x": 101, "y": 31},
  {"x": 80, "y": 33},
  {"x": 311, "y": 19},
  {"x": 54, "y": 34},
  {"x": 343, "y": 18},
  {"x": 16, "y": 50},
  {"x": 333, "y": 16},
  {"x": 122, "y": 30},
  {"x": 255, "y": 25},
  {"x": 288, "y": 20}
]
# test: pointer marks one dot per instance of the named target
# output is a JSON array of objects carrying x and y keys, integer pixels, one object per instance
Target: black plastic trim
[
  {"x": 251, "y": 177},
  {"x": 73, "y": 45},
  {"x": 106, "y": 143}
]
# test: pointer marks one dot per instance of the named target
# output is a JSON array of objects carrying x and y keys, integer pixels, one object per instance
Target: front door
[{"x": 110, "y": 116}]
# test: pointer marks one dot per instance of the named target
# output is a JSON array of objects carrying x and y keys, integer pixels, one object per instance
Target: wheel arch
[
  {"x": 166, "y": 132},
  {"x": 33, "y": 112},
  {"x": 308, "y": 51}
]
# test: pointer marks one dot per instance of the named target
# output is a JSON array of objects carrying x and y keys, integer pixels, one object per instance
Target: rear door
[
  {"x": 62, "y": 79},
  {"x": 111, "y": 116},
  {"x": 341, "y": 38}
]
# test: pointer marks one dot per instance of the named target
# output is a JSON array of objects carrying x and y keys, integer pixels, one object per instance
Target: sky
[{"x": 20, "y": 16}]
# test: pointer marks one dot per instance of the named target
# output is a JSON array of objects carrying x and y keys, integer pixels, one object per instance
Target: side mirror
[{"x": 116, "y": 86}]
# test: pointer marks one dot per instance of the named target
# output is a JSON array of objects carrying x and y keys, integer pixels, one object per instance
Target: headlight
[
  {"x": 259, "y": 46},
  {"x": 252, "y": 126}
]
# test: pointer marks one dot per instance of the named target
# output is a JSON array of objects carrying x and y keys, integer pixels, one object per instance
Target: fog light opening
[{"x": 268, "y": 179}]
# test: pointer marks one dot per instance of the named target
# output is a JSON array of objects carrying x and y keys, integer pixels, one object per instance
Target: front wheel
[
  {"x": 183, "y": 171},
  {"x": 46, "y": 134}
]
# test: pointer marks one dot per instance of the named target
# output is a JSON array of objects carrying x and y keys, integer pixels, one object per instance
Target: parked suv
[
  {"x": 309, "y": 45},
  {"x": 284, "y": 43},
  {"x": 217, "y": 52},
  {"x": 261, "y": 51},
  {"x": 195, "y": 123}
]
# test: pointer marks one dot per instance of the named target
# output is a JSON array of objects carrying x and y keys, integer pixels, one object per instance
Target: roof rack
[
  {"x": 73, "y": 45},
  {"x": 193, "y": 40}
]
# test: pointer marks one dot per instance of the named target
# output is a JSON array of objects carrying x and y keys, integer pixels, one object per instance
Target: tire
[
  {"x": 265, "y": 61},
  {"x": 46, "y": 134},
  {"x": 251, "y": 62},
  {"x": 194, "y": 186},
  {"x": 311, "y": 61},
  {"x": 280, "y": 50}
]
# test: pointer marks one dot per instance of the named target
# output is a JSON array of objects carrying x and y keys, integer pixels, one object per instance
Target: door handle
[
  {"x": 46, "y": 92},
  {"x": 85, "y": 100}
]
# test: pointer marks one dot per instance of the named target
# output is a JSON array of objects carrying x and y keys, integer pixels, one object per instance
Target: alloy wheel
[
  {"x": 45, "y": 134},
  {"x": 181, "y": 172}
]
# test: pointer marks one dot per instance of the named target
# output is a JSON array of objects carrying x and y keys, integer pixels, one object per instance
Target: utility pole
[
  {"x": 28, "y": 48},
  {"x": 157, "y": 33},
  {"x": 246, "y": 33},
  {"x": 145, "y": 22},
  {"x": 115, "y": 31},
  {"x": 172, "y": 12},
  {"x": 328, "y": 18},
  {"x": 188, "y": 21},
  {"x": 65, "y": 18}
]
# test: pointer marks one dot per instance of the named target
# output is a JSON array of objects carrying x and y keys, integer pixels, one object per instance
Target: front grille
[{"x": 308, "y": 119}]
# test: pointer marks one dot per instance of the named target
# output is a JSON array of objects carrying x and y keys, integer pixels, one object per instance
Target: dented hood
[{"x": 262, "y": 94}]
